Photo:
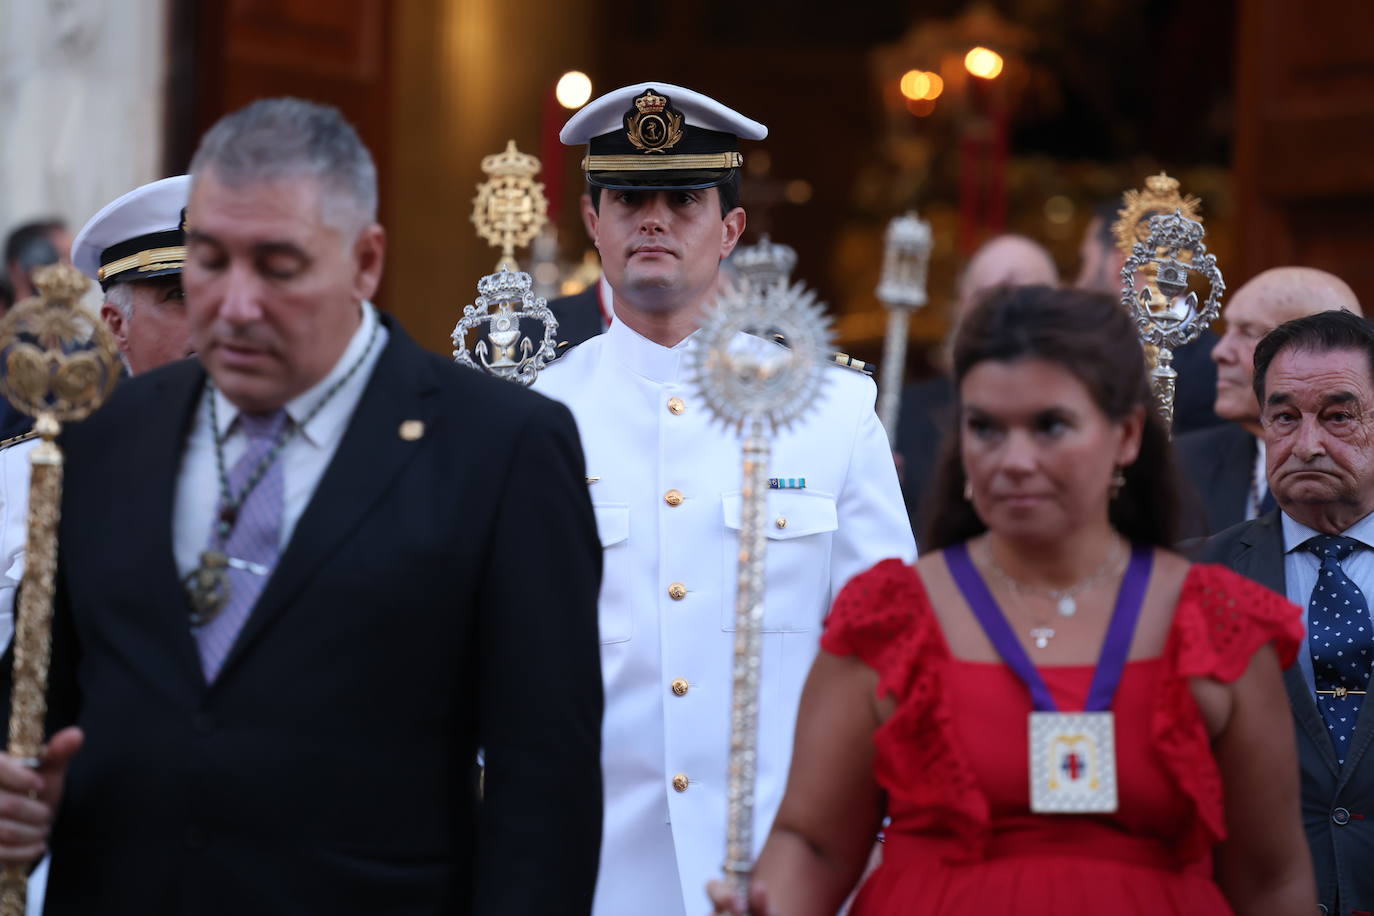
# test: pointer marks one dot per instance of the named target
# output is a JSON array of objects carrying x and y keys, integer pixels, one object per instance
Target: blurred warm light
[
  {"x": 546, "y": 273},
  {"x": 759, "y": 163},
  {"x": 921, "y": 84},
  {"x": 573, "y": 90},
  {"x": 983, "y": 62},
  {"x": 1059, "y": 209},
  {"x": 920, "y": 107},
  {"x": 798, "y": 191}
]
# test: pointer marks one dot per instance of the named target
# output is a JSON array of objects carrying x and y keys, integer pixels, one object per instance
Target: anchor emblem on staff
[
  {"x": 1167, "y": 313},
  {"x": 757, "y": 387},
  {"x": 59, "y": 364}
]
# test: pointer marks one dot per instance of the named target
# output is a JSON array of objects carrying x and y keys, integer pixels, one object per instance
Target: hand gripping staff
[{"x": 59, "y": 364}]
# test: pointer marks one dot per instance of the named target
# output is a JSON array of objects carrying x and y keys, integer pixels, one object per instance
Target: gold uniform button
[
  {"x": 677, "y": 591},
  {"x": 680, "y": 782},
  {"x": 676, "y": 406},
  {"x": 673, "y": 497},
  {"x": 782, "y": 521},
  {"x": 680, "y": 686}
]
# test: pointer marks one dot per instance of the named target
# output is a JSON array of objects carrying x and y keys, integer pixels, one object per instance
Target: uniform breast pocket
[
  {"x": 800, "y": 526},
  {"x": 615, "y": 619}
]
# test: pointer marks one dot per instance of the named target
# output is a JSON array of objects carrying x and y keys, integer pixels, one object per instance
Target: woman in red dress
[{"x": 1047, "y": 588}]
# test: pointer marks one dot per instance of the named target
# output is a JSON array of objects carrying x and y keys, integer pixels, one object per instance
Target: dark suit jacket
[
  {"x": 330, "y": 768},
  {"x": 1217, "y": 464},
  {"x": 1196, "y": 388},
  {"x": 1337, "y": 802},
  {"x": 924, "y": 418},
  {"x": 579, "y": 317}
]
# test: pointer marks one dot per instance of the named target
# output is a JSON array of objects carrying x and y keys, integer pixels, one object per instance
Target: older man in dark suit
[
  {"x": 1314, "y": 378},
  {"x": 320, "y": 607},
  {"x": 1225, "y": 463}
]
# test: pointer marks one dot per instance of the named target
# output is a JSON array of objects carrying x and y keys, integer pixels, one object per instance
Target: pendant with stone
[
  {"x": 207, "y": 587},
  {"x": 1067, "y": 606},
  {"x": 1042, "y": 636}
]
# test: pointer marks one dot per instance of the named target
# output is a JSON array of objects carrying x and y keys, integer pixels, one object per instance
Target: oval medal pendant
[
  {"x": 207, "y": 587},
  {"x": 1067, "y": 606}
]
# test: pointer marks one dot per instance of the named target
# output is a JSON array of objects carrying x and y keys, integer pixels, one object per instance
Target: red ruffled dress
[{"x": 952, "y": 759}]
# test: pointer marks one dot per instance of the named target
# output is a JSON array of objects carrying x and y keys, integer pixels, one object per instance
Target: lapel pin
[
  {"x": 412, "y": 430},
  {"x": 591, "y": 480}
]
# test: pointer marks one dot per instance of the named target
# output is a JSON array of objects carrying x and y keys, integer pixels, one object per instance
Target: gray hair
[
  {"x": 121, "y": 296},
  {"x": 280, "y": 138}
]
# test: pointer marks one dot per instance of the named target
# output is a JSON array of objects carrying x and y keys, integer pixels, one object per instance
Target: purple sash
[{"x": 1110, "y": 663}]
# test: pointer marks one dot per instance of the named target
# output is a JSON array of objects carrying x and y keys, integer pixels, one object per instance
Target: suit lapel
[
  {"x": 370, "y": 456},
  {"x": 164, "y": 435},
  {"x": 1261, "y": 558}
]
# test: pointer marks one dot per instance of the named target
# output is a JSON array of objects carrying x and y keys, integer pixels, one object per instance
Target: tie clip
[{"x": 1341, "y": 692}]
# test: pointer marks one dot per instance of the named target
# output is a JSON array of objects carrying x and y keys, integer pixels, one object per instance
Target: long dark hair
[{"x": 1092, "y": 337}]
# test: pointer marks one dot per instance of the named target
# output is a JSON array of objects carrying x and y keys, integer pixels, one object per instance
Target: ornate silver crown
[
  {"x": 505, "y": 351},
  {"x": 766, "y": 263}
]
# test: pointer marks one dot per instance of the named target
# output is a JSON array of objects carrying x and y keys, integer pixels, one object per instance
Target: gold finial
[
  {"x": 1160, "y": 195},
  {"x": 510, "y": 208},
  {"x": 58, "y": 359}
]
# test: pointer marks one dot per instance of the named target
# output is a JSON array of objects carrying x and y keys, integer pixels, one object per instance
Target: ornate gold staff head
[
  {"x": 510, "y": 208},
  {"x": 1160, "y": 195},
  {"x": 59, "y": 360}
]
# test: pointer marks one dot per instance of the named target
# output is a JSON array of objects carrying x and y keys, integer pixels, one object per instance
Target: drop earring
[{"x": 1118, "y": 481}]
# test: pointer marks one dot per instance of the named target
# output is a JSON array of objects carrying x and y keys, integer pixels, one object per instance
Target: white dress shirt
[
  {"x": 1259, "y": 481},
  {"x": 664, "y": 480},
  {"x": 1300, "y": 568},
  {"x": 303, "y": 459}
]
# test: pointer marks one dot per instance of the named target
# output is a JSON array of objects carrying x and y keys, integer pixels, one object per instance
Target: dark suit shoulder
[
  {"x": 134, "y": 397},
  {"x": 578, "y": 315},
  {"x": 1205, "y": 445},
  {"x": 1222, "y": 546}
]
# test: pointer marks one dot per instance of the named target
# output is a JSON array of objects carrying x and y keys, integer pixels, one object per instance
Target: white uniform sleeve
[
  {"x": 873, "y": 523},
  {"x": 14, "y": 512}
]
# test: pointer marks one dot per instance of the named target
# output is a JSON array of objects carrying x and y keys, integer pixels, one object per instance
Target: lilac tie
[{"x": 255, "y": 538}]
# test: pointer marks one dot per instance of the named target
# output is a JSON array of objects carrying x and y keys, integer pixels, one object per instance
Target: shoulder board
[
  {"x": 15, "y": 440},
  {"x": 858, "y": 365},
  {"x": 839, "y": 359}
]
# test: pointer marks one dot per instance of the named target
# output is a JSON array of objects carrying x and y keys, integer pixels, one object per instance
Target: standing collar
[
  {"x": 642, "y": 356},
  {"x": 328, "y": 423}
]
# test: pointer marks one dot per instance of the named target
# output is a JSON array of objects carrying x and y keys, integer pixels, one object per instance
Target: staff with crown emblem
[{"x": 662, "y": 165}]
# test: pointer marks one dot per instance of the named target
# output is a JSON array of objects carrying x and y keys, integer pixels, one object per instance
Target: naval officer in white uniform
[{"x": 663, "y": 166}]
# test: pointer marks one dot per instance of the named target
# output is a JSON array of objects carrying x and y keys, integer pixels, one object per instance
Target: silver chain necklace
[{"x": 1065, "y": 598}]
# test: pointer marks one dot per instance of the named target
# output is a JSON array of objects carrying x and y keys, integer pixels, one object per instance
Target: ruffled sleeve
[
  {"x": 1221, "y": 621},
  {"x": 884, "y": 618}
]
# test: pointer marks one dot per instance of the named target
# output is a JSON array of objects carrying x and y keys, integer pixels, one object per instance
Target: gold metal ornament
[
  {"x": 510, "y": 208},
  {"x": 652, "y": 125},
  {"x": 1160, "y": 195},
  {"x": 60, "y": 364}
]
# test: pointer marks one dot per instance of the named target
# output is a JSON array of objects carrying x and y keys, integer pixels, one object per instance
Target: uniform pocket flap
[
  {"x": 612, "y": 523},
  {"x": 790, "y": 514}
]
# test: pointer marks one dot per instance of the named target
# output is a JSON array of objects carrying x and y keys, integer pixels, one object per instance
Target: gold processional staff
[
  {"x": 509, "y": 212},
  {"x": 59, "y": 364},
  {"x": 1161, "y": 233},
  {"x": 755, "y": 388}
]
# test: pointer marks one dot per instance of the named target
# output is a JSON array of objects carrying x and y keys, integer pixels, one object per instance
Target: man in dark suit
[
  {"x": 1315, "y": 380},
  {"x": 1225, "y": 464},
  {"x": 319, "y": 608},
  {"x": 927, "y": 408}
]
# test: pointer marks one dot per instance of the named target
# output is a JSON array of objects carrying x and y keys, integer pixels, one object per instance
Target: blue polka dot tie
[{"x": 1340, "y": 638}]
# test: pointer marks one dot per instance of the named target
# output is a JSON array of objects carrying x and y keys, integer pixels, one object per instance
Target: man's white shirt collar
[{"x": 327, "y": 425}]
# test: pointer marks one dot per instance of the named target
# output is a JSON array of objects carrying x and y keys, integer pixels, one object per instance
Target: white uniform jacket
[{"x": 665, "y": 483}]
